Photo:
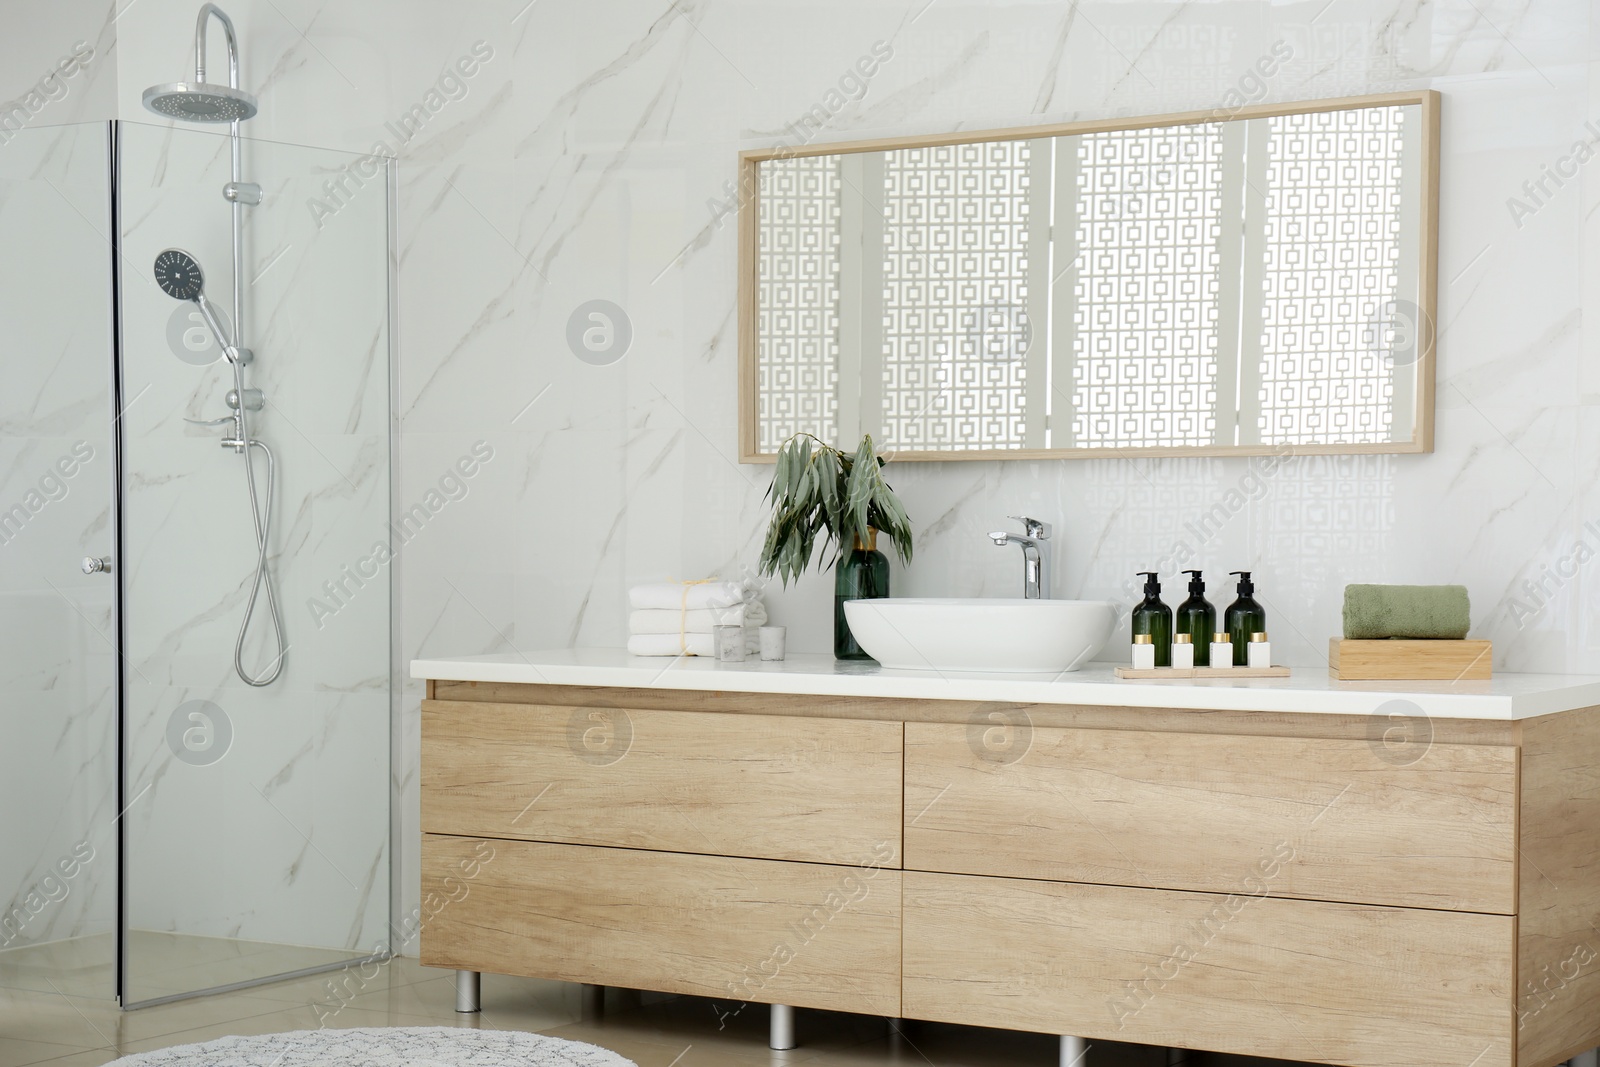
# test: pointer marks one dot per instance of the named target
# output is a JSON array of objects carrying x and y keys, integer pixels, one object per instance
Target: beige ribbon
[{"x": 683, "y": 612}]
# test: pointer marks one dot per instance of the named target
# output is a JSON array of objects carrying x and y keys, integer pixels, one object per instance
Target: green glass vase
[{"x": 861, "y": 574}]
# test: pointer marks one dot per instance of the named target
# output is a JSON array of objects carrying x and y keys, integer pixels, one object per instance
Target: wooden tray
[
  {"x": 1158, "y": 674},
  {"x": 1404, "y": 660}
]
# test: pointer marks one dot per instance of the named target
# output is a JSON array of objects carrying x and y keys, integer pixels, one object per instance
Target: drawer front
[
  {"x": 806, "y": 934},
  {"x": 769, "y": 787},
  {"x": 1332, "y": 819},
  {"x": 1283, "y": 979}
]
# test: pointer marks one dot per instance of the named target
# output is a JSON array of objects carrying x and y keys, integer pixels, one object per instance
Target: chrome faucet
[{"x": 1035, "y": 555}]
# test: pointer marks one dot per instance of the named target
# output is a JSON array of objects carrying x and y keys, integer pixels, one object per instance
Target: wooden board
[
  {"x": 805, "y": 934},
  {"x": 1402, "y": 660},
  {"x": 1285, "y": 979},
  {"x": 1198, "y": 812},
  {"x": 1558, "y": 926},
  {"x": 822, "y": 790},
  {"x": 1159, "y": 674}
]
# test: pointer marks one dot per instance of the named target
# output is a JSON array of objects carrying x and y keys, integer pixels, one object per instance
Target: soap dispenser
[
  {"x": 1153, "y": 617},
  {"x": 1197, "y": 618},
  {"x": 1243, "y": 618}
]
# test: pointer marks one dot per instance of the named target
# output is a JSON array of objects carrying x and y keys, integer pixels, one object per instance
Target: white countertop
[{"x": 1309, "y": 689}]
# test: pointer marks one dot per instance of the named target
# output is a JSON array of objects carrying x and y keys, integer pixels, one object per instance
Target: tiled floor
[
  {"x": 159, "y": 964},
  {"x": 65, "y": 1030}
]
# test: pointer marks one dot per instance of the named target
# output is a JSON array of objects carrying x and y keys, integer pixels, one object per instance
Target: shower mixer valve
[{"x": 234, "y": 440}]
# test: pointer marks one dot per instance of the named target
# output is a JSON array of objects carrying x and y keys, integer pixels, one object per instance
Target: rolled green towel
[{"x": 1374, "y": 612}]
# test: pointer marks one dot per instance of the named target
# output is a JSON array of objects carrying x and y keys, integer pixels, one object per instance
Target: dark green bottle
[
  {"x": 1154, "y": 618},
  {"x": 1243, "y": 618},
  {"x": 1198, "y": 619},
  {"x": 861, "y": 574}
]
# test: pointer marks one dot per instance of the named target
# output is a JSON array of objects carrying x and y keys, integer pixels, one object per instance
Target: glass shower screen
[{"x": 257, "y": 829}]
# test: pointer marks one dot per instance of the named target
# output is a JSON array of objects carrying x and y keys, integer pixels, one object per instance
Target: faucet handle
[
  {"x": 224, "y": 421},
  {"x": 1033, "y": 527}
]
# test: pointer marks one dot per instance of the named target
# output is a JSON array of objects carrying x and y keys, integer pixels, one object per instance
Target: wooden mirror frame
[{"x": 1427, "y": 264}]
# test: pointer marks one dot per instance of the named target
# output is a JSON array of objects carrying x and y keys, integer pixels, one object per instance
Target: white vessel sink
[{"x": 1011, "y": 636}]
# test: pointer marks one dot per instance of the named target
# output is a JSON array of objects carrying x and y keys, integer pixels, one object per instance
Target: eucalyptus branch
[{"x": 819, "y": 490}]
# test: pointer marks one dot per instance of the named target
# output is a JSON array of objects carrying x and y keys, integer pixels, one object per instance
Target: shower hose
[{"x": 262, "y": 515}]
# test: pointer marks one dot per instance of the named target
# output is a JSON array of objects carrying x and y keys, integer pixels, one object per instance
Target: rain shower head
[
  {"x": 199, "y": 100},
  {"x": 179, "y": 275}
]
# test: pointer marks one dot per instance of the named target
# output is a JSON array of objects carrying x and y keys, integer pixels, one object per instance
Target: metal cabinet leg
[
  {"x": 1175, "y": 1056},
  {"x": 781, "y": 1035},
  {"x": 468, "y": 991},
  {"x": 1587, "y": 1059},
  {"x": 1073, "y": 1050}
]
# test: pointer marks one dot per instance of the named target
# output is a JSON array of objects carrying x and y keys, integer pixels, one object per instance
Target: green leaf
[{"x": 819, "y": 491}]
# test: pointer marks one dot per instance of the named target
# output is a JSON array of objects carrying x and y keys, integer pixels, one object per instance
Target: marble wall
[
  {"x": 587, "y": 155},
  {"x": 583, "y": 163}
]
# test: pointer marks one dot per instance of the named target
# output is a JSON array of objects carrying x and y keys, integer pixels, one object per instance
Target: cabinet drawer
[
  {"x": 806, "y": 934},
  {"x": 1206, "y": 812},
  {"x": 771, "y": 787},
  {"x": 1284, "y": 979}
]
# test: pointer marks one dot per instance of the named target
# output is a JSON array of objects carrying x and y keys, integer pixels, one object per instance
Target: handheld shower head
[{"x": 180, "y": 277}]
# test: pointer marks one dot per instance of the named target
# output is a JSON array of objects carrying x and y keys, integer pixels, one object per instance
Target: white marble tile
[{"x": 62, "y": 65}]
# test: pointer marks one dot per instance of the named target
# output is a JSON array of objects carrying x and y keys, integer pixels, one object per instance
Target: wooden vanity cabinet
[{"x": 1264, "y": 884}]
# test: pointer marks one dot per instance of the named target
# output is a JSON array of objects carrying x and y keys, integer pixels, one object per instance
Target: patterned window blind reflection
[
  {"x": 1332, "y": 276},
  {"x": 955, "y": 329},
  {"x": 1147, "y": 287},
  {"x": 798, "y": 264}
]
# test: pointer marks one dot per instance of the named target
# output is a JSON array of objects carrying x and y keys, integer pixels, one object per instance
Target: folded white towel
[
  {"x": 663, "y": 621},
  {"x": 686, "y": 645},
  {"x": 690, "y": 596}
]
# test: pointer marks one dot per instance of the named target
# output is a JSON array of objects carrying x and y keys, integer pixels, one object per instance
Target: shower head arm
[{"x": 208, "y": 11}]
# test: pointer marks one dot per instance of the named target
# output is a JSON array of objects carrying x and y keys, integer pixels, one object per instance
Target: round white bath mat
[{"x": 422, "y": 1046}]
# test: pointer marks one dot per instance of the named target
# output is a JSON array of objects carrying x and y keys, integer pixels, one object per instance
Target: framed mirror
[{"x": 1249, "y": 281}]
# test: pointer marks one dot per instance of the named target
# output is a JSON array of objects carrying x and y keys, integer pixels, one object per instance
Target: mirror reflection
[{"x": 1259, "y": 283}]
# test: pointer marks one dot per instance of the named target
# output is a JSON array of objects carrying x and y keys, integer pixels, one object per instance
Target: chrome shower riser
[{"x": 203, "y": 102}]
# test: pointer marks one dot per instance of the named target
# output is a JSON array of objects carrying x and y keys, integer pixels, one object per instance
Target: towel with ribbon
[{"x": 676, "y": 618}]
